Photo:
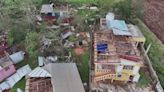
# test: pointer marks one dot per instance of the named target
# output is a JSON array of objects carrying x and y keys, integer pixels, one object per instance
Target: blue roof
[{"x": 117, "y": 24}]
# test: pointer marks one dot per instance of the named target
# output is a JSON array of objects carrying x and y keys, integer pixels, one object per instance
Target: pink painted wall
[{"x": 7, "y": 72}]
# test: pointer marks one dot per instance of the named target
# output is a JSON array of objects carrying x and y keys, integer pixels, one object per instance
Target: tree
[
  {"x": 31, "y": 43},
  {"x": 105, "y": 5},
  {"x": 124, "y": 8},
  {"x": 17, "y": 12},
  {"x": 17, "y": 18}
]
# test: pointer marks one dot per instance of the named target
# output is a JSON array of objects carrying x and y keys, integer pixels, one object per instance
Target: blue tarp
[{"x": 102, "y": 47}]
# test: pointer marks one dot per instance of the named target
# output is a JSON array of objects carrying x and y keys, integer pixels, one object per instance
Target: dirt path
[{"x": 154, "y": 17}]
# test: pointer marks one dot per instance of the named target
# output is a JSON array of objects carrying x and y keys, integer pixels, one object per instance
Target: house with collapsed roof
[
  {"x": 14, "y": 78},
  {"x": 7, "y": 62},
  {"x": 6, "y": 66},
  {"x": 49, "y": 12},
  {"x": 116, "y": 54},
  {"x": 54, "y": 77}
]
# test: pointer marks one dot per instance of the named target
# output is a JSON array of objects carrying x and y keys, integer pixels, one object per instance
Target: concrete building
[{"x": 116, "y": 55}]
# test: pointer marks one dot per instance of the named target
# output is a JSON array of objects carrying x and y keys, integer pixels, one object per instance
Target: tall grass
[{"x": 156, "y": 52}]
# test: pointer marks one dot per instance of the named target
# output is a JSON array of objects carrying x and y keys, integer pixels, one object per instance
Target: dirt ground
[
  {"x": 79, "y": 51},
  {"x": 154, "y": 17}
]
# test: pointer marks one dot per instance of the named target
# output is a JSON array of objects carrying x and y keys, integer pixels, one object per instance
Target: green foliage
[
  {"x": 156, "y": 52},
  {"x": 31, "y": 43},
  {"x": 79, "y": 1},
  {"x": 20, "y": 84},
  {"x": 124, "y": 8},
  {"x": 84, "y": 67},
  {"x": 144, "y": 80},
  {"x": 72, "y": 38},
  {"x": 106, "y": 5},
  {"x": 16, "y": 36}
]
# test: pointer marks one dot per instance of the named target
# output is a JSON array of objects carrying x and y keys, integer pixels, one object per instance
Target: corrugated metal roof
[
  {"x": 117, "y": 24},
  {"x": 46, "y": 8},
  {"x": 39, "y": 72},
  {"x": 17, "y": 57},
  {"x": 65, "y": 77},
  {"x": 118, "y": 27},
  {"x": 18, "y": 76},
  {"x": 3, "y": 86},
  {"x": 119, "y": 32},
  {"x": 12, "y": 80}
]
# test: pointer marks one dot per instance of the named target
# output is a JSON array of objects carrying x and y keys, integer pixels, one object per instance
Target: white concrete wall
[
  {"x": 136, "y": 70},
  {"x": 136, "y": 78},
  {"x": 119, "y": 69}
]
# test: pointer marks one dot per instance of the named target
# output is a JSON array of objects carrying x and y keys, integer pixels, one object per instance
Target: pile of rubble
[{"x": 127, "y": 88}]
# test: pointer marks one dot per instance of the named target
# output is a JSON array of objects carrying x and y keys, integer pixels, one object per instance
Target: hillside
[{"x": 154, "y": 18}]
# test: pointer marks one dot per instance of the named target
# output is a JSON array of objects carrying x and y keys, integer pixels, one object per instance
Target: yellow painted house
[{"x": 116, "y": 57}]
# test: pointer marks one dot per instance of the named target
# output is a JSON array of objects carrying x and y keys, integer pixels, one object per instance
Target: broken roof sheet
[
  {"x": 12, "y": 80},
  {"x": 117, "y": 24},
  {"x": 17, "y": 57},
  {"x": 3, "y": 86},
  {"x": 18, "y": 76},
  {"x": 65, "y": 77},
  {"x": 119, "y": 32},
  {"x": 136, "y": 33},
  {"x": 5, "y": 61},
  {"x": 41, "y": 61},
  {"x": 39, "y": 72},
  {"x": 118, "y": 27},
  {"x": 46, "y": 8}
]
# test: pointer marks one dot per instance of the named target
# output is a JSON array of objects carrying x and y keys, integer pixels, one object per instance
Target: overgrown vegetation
[
  {"x": 20, "y": 84},
  {"x": 156, "y": 52},
  {"x": 80, "y": 1},
  {"x": 84, "y": 68},
  {"x": 144, "y": 80},
  {"x": 31, "y": 44}
]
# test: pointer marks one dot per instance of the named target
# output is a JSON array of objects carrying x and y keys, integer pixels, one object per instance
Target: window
[
  {"x": 119, "y": 75},
  {"x": 128, "y": 67}
]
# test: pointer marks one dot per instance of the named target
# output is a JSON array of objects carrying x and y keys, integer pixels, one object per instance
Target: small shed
[
  {"x": 46, "y": 8},
  {"x": 17, "y": 57}
]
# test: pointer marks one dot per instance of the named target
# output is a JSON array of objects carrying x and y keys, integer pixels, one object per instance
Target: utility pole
[{"x": 148, "y": 48}]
